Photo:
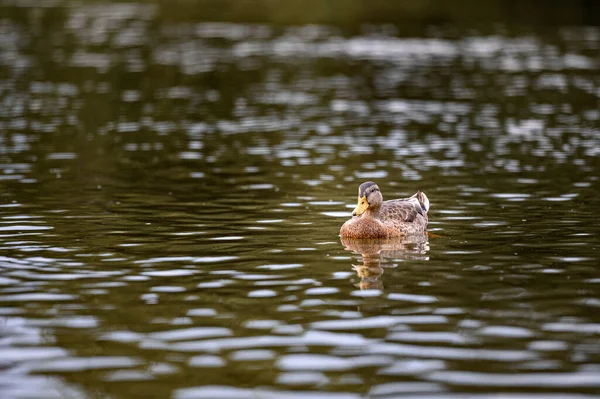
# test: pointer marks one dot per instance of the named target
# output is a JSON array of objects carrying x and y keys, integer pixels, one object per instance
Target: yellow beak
[{"x": 361, "y": 207}]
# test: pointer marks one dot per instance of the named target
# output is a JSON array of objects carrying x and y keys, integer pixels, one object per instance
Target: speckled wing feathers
[
  {"x": 405, "y": 210},
  {"x": 407, "y": 215}
]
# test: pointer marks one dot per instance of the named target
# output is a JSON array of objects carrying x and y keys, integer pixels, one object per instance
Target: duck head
[{"x": 369, "y": 198}]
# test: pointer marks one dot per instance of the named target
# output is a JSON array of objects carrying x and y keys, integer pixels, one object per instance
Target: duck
[{"x": 375, "y": 218}]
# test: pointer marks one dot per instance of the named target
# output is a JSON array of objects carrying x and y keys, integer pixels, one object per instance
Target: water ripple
[{"x": 173, "y": 188}]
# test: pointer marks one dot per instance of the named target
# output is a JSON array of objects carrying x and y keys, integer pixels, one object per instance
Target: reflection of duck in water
[
  {"x": 369, "y": 272},
  {"x": 375, "y": 218},
  {"x": 374, "y": 252}
]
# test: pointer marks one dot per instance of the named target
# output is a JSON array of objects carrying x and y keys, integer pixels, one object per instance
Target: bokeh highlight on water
[{"x": 172, "y": 193}]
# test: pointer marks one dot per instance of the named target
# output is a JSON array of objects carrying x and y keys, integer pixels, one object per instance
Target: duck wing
[{"x": 405, "y": 210}]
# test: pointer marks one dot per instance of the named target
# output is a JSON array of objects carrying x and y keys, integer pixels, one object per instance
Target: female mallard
[{"x": 375, "y": 218}]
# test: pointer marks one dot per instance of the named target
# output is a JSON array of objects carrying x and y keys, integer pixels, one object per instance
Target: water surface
[{"x": 172, "y": 193}]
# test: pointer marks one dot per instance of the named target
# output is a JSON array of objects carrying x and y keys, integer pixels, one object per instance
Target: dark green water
[{"x": 172, "y": 192}]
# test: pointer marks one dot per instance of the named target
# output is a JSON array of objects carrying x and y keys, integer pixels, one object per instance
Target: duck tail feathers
[{"x": 423, "y": 200}]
